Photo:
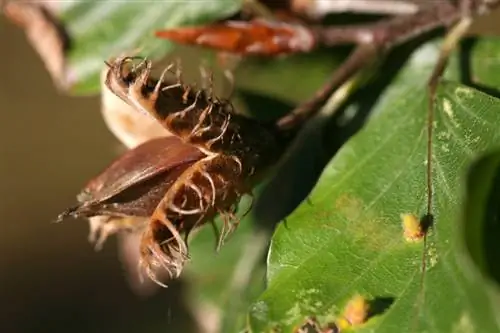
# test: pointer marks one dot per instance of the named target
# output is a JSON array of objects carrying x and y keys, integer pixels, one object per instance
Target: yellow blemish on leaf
[
  {"x": 412, "y": 227},
  {"x": 432, "y": 256},
  {"x": 364, "y": 224},
  {"x": 448, "y": 109},
  {"x": 350, "y": 207},
  {"x": 463, "y": 93},
  {"x": 355, "y": 313},
  {"x": 342, "y": 324},
  {"x": 464, "y": 325}
]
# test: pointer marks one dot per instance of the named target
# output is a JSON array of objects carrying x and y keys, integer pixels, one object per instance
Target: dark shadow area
[
  {"x": 480, "y": 223},
  {"x": 379, "y": 305},
  {"x": 491, "y": 230},
  {"x": 80, "y": 305},
  {"x": 52, "y": 280},
  {"x": 466, "y": 72},
  {"x": 269, "y": 108},
  {"x": 351, "y": 18}
]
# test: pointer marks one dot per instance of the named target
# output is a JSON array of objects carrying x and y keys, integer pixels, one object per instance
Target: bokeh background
[{"x": 51, "y": 279}]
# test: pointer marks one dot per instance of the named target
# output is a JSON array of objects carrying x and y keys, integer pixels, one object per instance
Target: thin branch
[
  {"x": 358, "y": 59},
  {"x": 320, "y": 8},
  {"x": 373, "y": 41}
]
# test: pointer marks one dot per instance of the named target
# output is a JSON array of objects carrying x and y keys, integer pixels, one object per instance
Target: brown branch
[
  {"x": 320, "y": 8},
  {"x": 373, "y": 41},
  {"x": 358, "y": 59}
]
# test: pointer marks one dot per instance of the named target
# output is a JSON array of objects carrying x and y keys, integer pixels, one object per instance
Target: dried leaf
[{"x": 257, "y": 37}]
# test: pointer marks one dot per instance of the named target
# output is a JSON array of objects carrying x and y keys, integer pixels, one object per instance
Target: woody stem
[{"x": 373, "y": 41}]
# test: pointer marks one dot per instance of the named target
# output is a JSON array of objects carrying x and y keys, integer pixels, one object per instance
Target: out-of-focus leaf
[
  {"x": 100, "y": 29},
  {"x": 348, "y": 239},
  {"x": 480, "y": 229},
  {"x": 292, "y": 79},
  {"x": 480, "y": 67},
  {"x": 45, "y": 33}
]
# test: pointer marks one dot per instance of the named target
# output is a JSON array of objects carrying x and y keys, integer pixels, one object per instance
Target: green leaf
[
  {"x": 481, "y": 72},
  {"x": 278, "y": 77},
  {"x": 348, "y": 238},
  {"x": 101, "y": 29}
]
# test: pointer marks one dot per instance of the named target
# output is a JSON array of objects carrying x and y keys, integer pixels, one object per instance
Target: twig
[
  {"x": 359, "y": 58},
  {"x": 320, "y": 8},
  {"x": 373, "y": 41}
]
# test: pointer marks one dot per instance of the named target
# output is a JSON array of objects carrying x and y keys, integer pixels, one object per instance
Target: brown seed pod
[{"x": 179, "y": 182}]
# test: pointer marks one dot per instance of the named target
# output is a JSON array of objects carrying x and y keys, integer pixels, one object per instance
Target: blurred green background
[{"x": 51, "y": 279}]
